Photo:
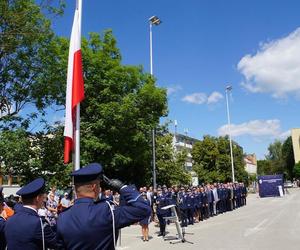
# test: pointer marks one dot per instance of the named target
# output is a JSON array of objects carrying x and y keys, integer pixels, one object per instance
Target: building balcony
[{"x": 184, "y": 145}]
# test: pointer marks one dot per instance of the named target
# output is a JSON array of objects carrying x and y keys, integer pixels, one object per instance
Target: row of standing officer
[
  {"x": 199, "y": 202},
  {"x": 87, "y": 225}
]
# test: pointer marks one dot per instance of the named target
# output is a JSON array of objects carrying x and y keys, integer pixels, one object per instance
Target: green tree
[
  {"x": 213, "y": 162},
  {"x": 34, "y": 155},
  {"x": 288, "y": 156},
  {"x": 122, "y": 103},
  {"x": 206, "y": 152},
  {"x": 279, "y": 160},
  {"x": 297, "y": 170},
  {"x": 264, "y": 167},
  {"x": 15, "y": 153},
  {"x": 28, "y": 61},
  {"x": 224, "y": 159},
  {"x": 48, "y": 157},
  {"x": 121, "y": 107},
  {"x": 275, "y": 156}
]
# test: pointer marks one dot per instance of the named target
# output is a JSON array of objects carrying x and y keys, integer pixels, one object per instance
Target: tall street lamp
[
  {"x": 228, "y": 89},
  {"x": 154, "y": 20}
]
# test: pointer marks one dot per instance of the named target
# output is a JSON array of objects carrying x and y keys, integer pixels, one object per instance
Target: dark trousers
[
  {"x": 162, "y": 223},
  {"x": 201, "y": 212},
  {"x": 184, "y": 217},
  {"x": 238, "y": 201},
  {"x": 224, "y": 205},
  {"x": 206, "y": 211},
  {"x": 211, "y": 209},
  {"x": 229, "y": 205},
  {"x": 190, "y": 215},
  {"x": 218, "y": 207}
]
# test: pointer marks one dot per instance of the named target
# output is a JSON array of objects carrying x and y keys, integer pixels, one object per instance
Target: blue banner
[{"x": 268, "y": 185}]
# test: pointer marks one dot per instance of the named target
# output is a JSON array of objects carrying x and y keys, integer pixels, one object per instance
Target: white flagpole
[{"x": 77, "y": 124}]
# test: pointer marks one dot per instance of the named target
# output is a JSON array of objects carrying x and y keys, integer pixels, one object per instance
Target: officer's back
[
  {"x": 86, "y": 223},
  {"x": 2, "y": 224},
  {"x": 93, "y": 225},
  {"x": 25, "y": 230}
]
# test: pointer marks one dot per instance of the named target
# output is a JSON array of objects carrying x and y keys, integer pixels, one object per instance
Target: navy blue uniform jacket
[
  {"x": 162, "y": 201},
  {"x": 88, "y": 225},
  {"x": 2, "y": 237},
  {"x": 23, "y": 231}
]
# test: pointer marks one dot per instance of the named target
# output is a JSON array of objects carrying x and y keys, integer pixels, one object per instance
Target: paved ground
[{"x": 268, "y": 223}]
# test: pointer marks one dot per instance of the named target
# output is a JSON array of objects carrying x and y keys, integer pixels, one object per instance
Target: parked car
[{"x": 288, "y": 184}]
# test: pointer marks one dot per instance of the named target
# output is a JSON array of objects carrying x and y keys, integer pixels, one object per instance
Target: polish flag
[{"x": 75, "y": 85}]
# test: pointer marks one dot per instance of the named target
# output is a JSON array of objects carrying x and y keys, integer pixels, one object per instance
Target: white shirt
[{"x": 215, "y": 193}]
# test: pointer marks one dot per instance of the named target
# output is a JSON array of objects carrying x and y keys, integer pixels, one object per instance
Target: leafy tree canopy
[
  {"x": 279, "y": 160},
  {"x": 34, "y": 155},
  {"x": 29, "y": 57},
  {"x": 212, "y": 160},
  {"x": 122, "y": 106}
]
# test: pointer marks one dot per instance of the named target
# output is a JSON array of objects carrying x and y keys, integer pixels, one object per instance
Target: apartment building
[{"x": 185, "y": 143}]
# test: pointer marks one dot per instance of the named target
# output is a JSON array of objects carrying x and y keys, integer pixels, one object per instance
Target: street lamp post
[
  {"x": 154, "y": 20},
  {"x": 228, "y": 89}
]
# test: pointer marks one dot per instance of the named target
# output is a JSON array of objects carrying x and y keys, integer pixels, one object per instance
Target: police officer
[
  {"x": 196, "y": 204},
  {"x": 26, "y": 230},
  {"x": 91, "y": 223},
  {"x": 205, "y": 210},
  {"x": 161, "y": 201},
  {"x": 190, "y": 206},
  {"x": 183, "y": 207},
  {"x": 238, "y": 195},
  {"x": 244, "y": 194},
  {"x": 2, "y": 224}
]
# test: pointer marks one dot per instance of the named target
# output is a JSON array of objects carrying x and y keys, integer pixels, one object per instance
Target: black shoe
[{"x": 160, "y": 234}]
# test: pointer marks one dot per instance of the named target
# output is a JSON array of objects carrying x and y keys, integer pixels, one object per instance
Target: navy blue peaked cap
[
  {"x": 33, "y": 188},
  {"x": 88, "y": 173}
]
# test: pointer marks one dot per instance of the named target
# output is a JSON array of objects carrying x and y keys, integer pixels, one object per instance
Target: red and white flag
[{"x": 75, "y": 85}]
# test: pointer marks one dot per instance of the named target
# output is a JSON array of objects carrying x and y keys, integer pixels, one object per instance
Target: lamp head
[
  {"x": 228, "y": 87},
  {"x": 155, "y": 20}
]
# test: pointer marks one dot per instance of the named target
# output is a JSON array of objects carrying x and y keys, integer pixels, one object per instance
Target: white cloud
[
  {"x": 256, "y": 128},
  {"x": 197, "y": 98},
  {"x": 275, "y": 68},
  {"x": 203, "y": 98},
  {"x": 214, "y": 97},
  {"x": 173, "y": 89}
]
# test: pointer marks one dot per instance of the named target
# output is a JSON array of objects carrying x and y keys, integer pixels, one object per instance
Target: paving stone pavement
[{"x": 264, "y": 224}]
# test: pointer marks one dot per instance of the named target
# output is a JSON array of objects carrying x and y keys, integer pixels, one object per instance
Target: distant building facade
[
  {"x": 185, "y": 143},
  {"x": 10, "y": 184},
  {"x": 251, "y": 164},
  {"x": 296, "y": 143}
]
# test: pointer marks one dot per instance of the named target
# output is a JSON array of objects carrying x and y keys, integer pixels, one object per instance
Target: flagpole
[{"x": 77, "y": 124}]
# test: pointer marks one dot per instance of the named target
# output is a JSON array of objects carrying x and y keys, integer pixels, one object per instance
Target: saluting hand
[{"x": 115, "y": 184}]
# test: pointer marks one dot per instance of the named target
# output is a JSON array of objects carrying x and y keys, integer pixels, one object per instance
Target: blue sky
[{"x": 201, "y": 47}]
